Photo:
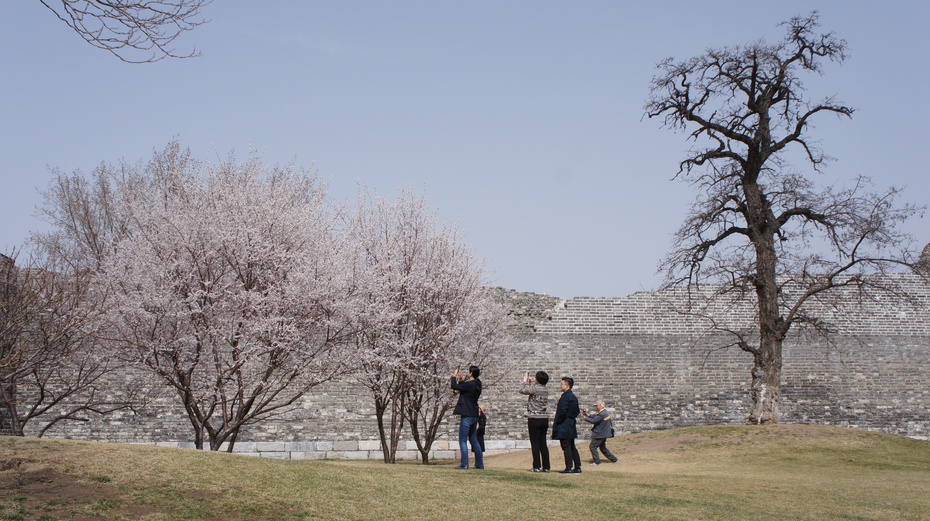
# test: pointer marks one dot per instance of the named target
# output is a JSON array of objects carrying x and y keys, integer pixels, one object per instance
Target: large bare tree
[
  {"x": 761, "y": 228},
  {"x": 135, "y": 31}
]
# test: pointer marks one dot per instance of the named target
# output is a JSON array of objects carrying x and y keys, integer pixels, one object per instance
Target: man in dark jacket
[
  {"x": 564, "y": 429},
  {"x": 469, "y": 391},
  {"x": 600, "y": 431}
]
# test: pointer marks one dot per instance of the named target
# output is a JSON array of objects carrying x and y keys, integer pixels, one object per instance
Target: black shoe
[
  {"x": 566, "y": 471},
  {"x": 461, "y": 467},
  {"x": 479, "y": 468},
  {"x": 614, "y": 460},
  {"x": 576, "y": 471}
]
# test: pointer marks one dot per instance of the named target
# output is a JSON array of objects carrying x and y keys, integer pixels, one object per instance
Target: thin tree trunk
[
  {"x": 390, "y": 439},
  {"x": 8, "y": 399},
  {"x": 397, "y": 424},
  {"x": 382, "y": 433}
]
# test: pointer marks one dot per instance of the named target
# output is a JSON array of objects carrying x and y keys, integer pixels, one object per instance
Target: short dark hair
[
  {"x": 542, "y": 377},
  {"x": 569, "y": 380},
  {"x": 475, "y": 371}
]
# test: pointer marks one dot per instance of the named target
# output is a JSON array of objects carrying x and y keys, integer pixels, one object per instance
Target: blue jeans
[{"x": 468, "y": 432}]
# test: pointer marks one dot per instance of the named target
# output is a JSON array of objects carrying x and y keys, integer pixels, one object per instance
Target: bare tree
[
  {"x": 423, "y": 311},
  {"x": 140, "y": 31},
  {"x": 761, "y": 229},
  {"x": 52, "y": 366},
  {"x": 228, "y": 285}
]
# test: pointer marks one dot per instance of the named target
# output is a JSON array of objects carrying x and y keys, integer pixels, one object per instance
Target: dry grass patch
[{"x": 724, "y": 472}]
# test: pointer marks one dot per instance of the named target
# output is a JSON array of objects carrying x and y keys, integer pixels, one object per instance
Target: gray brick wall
[{"x": 647, "y": 361}]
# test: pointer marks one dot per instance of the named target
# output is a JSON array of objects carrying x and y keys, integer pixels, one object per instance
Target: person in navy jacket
[
  {"x": 564, "y": 428},
  {"x": 467, "y": 407}
]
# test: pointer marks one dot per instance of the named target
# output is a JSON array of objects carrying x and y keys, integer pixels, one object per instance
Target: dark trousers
[
  {"x": 601, "y": 443},
  {"x": 538, "y": 428},
  {"x": 572, "y": 458}
]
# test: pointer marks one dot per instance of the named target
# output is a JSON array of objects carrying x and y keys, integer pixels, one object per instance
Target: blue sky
[{"x": 520, "y": 120}]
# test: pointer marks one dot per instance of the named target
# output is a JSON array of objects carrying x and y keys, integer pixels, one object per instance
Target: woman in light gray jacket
[
  {"x": 537, "y": 418},
  {"x": 601, "y": 430}
]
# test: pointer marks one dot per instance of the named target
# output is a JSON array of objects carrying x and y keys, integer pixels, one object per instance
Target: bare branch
[{"x": 144, "y": 28}]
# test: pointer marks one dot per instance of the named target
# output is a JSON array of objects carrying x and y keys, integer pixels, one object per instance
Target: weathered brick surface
[{"x": 655, "y": 367}]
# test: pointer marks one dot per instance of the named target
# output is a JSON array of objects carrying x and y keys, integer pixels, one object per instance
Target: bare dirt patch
[{"x": 30, "y": 487}]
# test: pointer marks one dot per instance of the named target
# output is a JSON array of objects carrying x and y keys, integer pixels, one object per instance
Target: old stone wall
[{"x": 655, "y": 367}]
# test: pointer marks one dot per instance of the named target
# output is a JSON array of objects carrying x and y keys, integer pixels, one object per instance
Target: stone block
[
  {"x": 275, "y": 455},
  {"x": 444, "y": 454},
  {"x": 500, "y": 445},
  {"x": 347, "y": 454},
  {"x": 245, "y": 446},
  {"x": 308, "y": 455},
  {"x": 300, "y": 446},
  {"x": 369, "y": 445},
  {"x": 376, "y": 455},
  {"x": 270, "y": 446},
  {"x": 408, "y": 454},
  {"x": 345, "y": 446}
]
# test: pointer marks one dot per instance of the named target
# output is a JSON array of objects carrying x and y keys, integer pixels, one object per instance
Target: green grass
[{"x": 723, "y": 472}]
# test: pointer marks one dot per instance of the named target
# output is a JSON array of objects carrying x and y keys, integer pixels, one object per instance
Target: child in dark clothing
[{"x": 482, "y": 421}]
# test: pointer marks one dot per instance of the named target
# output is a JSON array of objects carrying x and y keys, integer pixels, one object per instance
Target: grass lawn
[{"x": 723, "y": 472}]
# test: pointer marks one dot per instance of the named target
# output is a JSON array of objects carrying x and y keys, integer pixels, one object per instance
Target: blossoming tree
[{"x": 230, "y": 286}]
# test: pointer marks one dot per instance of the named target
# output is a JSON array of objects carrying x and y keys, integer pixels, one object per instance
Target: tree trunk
[
  {"x": 9, "y": 415},
  {"x": 389, "y": 439},
  {"x": 382, "y": 433},
  {"x": 766, "y": 382},
  {"x": 422, "y": 447},
  {"x": 766, "y": 370}
]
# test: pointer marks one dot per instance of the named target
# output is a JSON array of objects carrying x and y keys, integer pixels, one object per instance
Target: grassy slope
[{"x": 724, "y": 472}]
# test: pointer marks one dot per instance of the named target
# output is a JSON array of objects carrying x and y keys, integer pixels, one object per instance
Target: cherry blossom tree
[
  {"x": 230, "y": 286},
  {"x": 477, "y": 336},
  {"x": 423, "y": 313},
  {"x": 84, "y": 212}
]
